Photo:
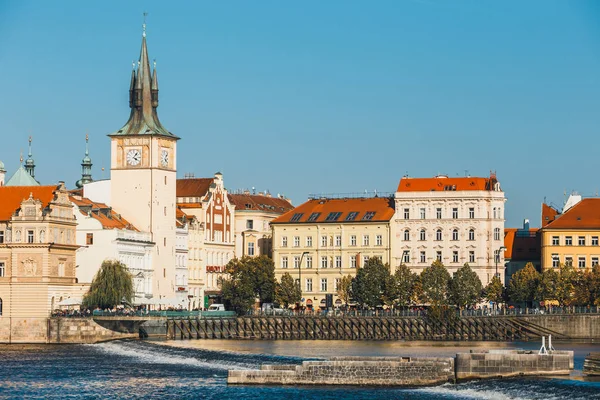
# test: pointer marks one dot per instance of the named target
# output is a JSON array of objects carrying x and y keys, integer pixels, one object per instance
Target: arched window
[
  {"x": 496, "y": 233},
  {"x": 422, "y": 234},
  {"x": 455, "y": 234},
  {"x": 438, "y": 235},
  {"x": 494, "y": 212},
  {"x": 471, "y": 234},
  {"x": 406, "y": 235}
]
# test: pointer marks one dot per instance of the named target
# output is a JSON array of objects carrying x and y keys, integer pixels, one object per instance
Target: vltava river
[{"x": 198, "y": 369}]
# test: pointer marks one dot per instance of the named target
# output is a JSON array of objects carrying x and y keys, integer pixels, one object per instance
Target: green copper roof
[{"x": 21, "y": 178}]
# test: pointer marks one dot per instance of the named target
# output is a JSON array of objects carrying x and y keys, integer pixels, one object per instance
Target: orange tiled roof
[
  {"x": 104, "y": 214},
  {"x": 193, "y": 187},
  {"x": 257, "y": 202},
  {"x": 382, "y": 207},
  {"x": 522, "y": 245},
  {"x": 442, "y": 183},
  {"x": 12, "y": 196},
  {"x": 583, "y": 215},
  {"x": 549, "y": 214}
]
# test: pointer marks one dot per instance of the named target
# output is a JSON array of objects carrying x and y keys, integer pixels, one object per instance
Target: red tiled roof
[
  {"x": 383, "y": 208},
  {"x": 193, "y": 187},
  {"x": 549, "y": 214},
  {"x": 12, "y": 196},
  {"x": 583, "y": 215},
  {"x": 260, "y": 203},
  {"x": 522, "y": 245},
  {"x": 442, "y": 183},
  {"x": 104, "y": 214}
]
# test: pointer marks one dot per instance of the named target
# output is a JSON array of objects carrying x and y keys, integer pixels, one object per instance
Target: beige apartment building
[
  {"x": 323, "y": 240},
  {"x": 571, "y": 237}
]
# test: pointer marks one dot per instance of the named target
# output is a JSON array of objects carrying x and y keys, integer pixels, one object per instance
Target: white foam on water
[
  {"x": 155, "y": 356},
  {"x": 470, "y": 393}
]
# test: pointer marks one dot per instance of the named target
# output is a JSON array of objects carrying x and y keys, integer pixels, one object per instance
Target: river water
[{"x": 198, "y": 369}]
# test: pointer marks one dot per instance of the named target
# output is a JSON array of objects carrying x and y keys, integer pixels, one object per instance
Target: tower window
[
  {"x": 165, "y": 242},
  {"x": 89, "y": 239}
]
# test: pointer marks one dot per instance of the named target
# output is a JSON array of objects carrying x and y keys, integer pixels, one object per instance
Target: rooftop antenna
[{"x": 144, "y": 25}]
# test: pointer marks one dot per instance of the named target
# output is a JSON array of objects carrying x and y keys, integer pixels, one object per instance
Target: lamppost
[
  {"x": 300, "y": 274},
  {"x": 498, "y": 258}
]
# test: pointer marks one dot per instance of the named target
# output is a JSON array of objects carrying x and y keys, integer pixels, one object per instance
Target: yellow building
[
  {"x": 571, "y": 237},
  {"x": 323, "y": 240}
]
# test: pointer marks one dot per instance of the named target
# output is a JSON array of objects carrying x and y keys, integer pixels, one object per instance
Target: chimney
[{"x": 526, "y": 225}]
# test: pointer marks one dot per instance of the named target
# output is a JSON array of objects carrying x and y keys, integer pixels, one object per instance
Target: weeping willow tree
[{"x": 111, "y": 285}]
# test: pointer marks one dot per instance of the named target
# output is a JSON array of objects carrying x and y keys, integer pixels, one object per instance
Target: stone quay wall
[
  {"x": 83, "y": 330},
  {"x": 506, "y": 363},
  {"x": 384, "y": 371}
]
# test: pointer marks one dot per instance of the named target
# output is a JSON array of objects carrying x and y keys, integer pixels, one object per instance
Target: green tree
[
  {"x": 248, "y": 278},
  {"x": 368, "y": 287},
  {"x": 237, "y": 293},
  {"x": 565, "y": 290},
  {"x": 523, "y": 284},
  {"x": 582, "y": 289},
  {"x": 111, "y": 285},
  {"x": 287, "y": 291},
  {"x": 547, "y": 287},
  {"x": 465, "y": 287},
  {"x": 344, "y": 290},
  {"x": 494, "y": 291},
  {"x": 435, "y": 281},
  {"x": 400, "y": 287}
]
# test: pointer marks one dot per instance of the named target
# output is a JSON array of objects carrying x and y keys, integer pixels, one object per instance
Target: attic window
[
  {"x": 368, "y": 216},
  {"x": 352, "y": 216},
  {"x": 296, "y": 217},
  {"x": 313, "y": 217},
  {"x": 248, "y": 205},
  {"x": 333, "y": 216}
]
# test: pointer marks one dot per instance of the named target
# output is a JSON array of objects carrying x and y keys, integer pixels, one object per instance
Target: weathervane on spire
[
  {"x": 30, "y": 146},
  {"x": 21, "y": 159},
  {"x": 144, "y": 25}
]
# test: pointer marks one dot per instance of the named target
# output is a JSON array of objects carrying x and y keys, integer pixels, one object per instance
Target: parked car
[
  {"x": 273, "y": 309},
  {"x": 216, "y": 307}
]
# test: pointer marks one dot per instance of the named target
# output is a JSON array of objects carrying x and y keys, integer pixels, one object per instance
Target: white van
[{"x": 216, "y": 307}]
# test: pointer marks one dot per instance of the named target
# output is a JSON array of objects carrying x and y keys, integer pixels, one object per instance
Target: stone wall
[
  {"x": 505, "y": 363},
  {"x": 82, "y": 330},
  {"x": 23, "y": 330},
  {"x": 574, "y": 326},
  {"x": 384, "y": 371}
]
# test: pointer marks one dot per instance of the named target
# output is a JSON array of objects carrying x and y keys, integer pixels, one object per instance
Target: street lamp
[
  {"x": 498, "y": 258},
  {"x": 300, "y": 273}
]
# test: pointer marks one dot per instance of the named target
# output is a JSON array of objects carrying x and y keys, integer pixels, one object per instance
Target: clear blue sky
[{"x": 318, "y": 96}]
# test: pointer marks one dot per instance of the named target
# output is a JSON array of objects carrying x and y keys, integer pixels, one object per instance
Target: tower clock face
[
  {"x": 164, "y": 158},
  {"x": 134, "y": 157}
]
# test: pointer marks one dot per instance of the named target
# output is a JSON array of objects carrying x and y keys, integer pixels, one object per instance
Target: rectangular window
[
  {"x": 422, "y": 213},
  {"x": 313, "y": 217},
  {"x": 407, "y": 213},
  {"x": 368, "y": 215},
  {"x": 2, "y": 270},
  {"x": 336, "y": 284},
  {"x": 581, "y": 240},
  {"x": 379, "y": 240},
  {"x": 365, "y": 260},
  {"x": 438, "y": 213},
  {"x": 455, "y": 256},
  {"x": 61, "y": 269},
  {"x": 569, "y": 241},
  {"x": 296, "y": 241},
  {"x": 323, "y": 284},
  {"x": 406, "y": 257},
  {"x": 296, "y": 262},
  {"x": 422, "y": 257},
  {"x": 296, "y": 217},
  {"x": 323, "y": 262},
  {"x": 569, "y": 261},
  {"x": 309, "y": 284},
  {"x": 249, "y": 224},
  {"x": 555, "y": 241},
  {"x": 594, "y": 261},
  {"x": 471, "y": 256},
  {"x": 338, "y": 261},
  {"x": 250, "y": 249},
  {"x": 555, "y": 261},
  {"x": 438, "y": 255},
  {"x": 594, "y": 240},
  {"x": 323, "y": 241},
  {"x": 1, "y": 236},
  {"x": 29, "y": 236},
  {"x": 309, "y": 241},
  {"x": 365, "y": 240},
  {"x": 333, "y": 216},
  {"x": 581, "y": 262},
  {"x": 284, "y": 262},
  {"x": 455, "y": 213},
  {"x": 89, "y": 239},
  {"x": 338, "y": 241},
  {"x": 471, "y": 212},
  {"x": 308, "y": 261},
  {"x": 284, "y": 241},
  {"x": 351, "y": 216},
  {"x": 352, "y": 261},
  {"x": 353, "y": 240}
]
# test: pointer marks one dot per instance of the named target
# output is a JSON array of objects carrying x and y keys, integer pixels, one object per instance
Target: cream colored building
[
  {"x": 572, "y": 237},
  {"x": 323, "y": 240},
  {"x": 253, "y": 216},
  {"x": 454, "y": 220},
  {"x": 37, "y": 259}
]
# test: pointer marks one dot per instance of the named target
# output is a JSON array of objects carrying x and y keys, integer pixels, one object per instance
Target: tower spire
[
  {"x": 29, "y": 163},
  {"x": 86, "y": 166}
]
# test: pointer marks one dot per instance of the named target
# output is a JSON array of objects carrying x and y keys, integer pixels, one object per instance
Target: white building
[
  {"x": 454, "y": 220},
  {"x": 103, "y": 234},
  {"x": 181, "y": 262}
]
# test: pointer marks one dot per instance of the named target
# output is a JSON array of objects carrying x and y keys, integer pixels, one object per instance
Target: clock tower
[{"x": 143, "y": 172}]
